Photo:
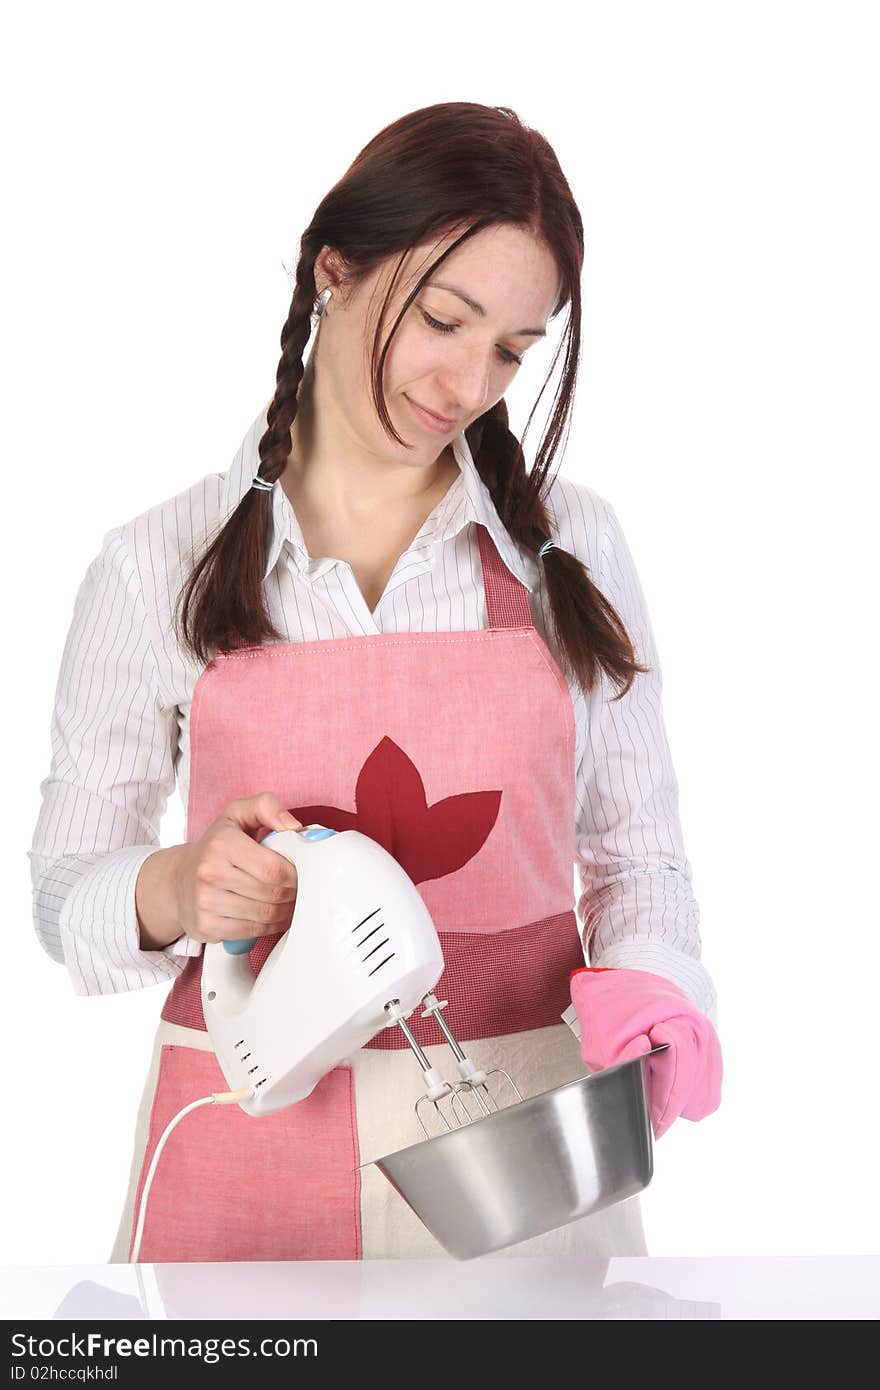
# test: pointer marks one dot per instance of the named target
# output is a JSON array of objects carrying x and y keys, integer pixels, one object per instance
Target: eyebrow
[{"x": 478, "y": 309}]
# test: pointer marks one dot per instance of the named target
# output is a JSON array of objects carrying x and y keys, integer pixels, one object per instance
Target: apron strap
[{"x": 507, "y": 599}]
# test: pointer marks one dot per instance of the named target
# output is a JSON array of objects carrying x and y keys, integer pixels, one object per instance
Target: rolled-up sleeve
[
  {"x": 113, "y": 750},
  {"x": 636, "y": 903}
]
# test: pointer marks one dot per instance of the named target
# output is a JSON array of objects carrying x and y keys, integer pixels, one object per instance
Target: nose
[{"x": 465, "y": 380}]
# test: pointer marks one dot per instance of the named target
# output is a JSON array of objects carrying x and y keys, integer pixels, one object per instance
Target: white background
[{"x": 160, "y": 165}]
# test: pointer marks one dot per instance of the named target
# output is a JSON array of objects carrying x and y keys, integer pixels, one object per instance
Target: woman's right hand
[
  {"x": 229, "y": 887},
  {"x": 223, "y": 886}
]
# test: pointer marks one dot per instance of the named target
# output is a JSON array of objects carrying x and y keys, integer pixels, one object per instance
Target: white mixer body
[{"x": 360, "y": 936}]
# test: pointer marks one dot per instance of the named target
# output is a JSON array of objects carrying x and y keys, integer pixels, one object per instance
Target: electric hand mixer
[{"x": 361, "y": 954}]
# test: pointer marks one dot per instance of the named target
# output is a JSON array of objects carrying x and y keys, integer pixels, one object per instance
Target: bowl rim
[{"x": 517, "y": 1105}]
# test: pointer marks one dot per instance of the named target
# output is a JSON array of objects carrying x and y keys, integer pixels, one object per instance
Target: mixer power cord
[{"x": 216, "y": 1098}]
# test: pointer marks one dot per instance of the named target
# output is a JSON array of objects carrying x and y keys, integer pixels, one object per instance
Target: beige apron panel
[{"x": 387, "y": 1085}]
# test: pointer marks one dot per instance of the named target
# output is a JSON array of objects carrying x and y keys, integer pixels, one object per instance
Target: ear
[{"x": 329, "y": 272}]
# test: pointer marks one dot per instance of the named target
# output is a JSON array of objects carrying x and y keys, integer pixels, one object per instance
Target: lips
[{"x": 442, "y": 421}]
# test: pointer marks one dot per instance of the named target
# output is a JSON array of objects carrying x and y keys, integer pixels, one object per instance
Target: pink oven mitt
[{"x": 625, "y": 1013}]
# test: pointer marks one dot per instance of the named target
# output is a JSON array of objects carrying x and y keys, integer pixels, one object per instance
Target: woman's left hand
[{"x": 625, "y": 1013}]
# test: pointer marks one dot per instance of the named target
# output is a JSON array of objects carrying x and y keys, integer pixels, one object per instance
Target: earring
[{"x": 322, "y": 302}]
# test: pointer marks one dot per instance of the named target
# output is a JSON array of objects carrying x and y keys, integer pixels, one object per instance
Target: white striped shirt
[{"x": 120, "y": 725}]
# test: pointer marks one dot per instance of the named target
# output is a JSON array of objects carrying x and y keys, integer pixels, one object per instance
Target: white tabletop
[{"x": 740, "y": 1287}]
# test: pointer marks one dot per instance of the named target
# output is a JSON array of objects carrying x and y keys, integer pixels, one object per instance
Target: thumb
[
  {"x": 265, "y": 811},
  {"x": 636, "y": 1047}
]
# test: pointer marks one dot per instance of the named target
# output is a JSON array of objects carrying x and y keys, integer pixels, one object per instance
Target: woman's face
[{"x": 452, "y": 357}]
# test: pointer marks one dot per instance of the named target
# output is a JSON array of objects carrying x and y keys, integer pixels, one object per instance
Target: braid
[
  {"x": 213, "y": 611},
  {"x": 274, "y": 446},
  {"x": 578, "y": 607}
]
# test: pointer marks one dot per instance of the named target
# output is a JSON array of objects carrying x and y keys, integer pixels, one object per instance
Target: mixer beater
[{"x": 473, "y": 1083}]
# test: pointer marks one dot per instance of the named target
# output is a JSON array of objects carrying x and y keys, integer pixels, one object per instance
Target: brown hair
[{"x": 454, "y": 165}]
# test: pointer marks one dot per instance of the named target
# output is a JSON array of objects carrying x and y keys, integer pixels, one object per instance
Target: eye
[{"x": 505, "y": 353}]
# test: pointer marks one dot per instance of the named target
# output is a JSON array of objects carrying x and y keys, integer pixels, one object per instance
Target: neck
[{"x": 330, "y": 471}]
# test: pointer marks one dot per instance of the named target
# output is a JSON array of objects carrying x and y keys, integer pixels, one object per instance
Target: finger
[
  {"x": 705, "y": 1096},
  {"x": 229, "y": 929},
  {"x": 598, "y": 1053},
  {"x": 674, "y": 1069},
  {"x": 267, "y": 866},
  {"x": 636, "y": 1047},
  {"x": 716, "y": 1074},
  {"x": 661, "y": 1125},
  {"x": 261, "y": 811},
  {"x": 233, "y": 879},
  {"x": 234, "y": 907}
]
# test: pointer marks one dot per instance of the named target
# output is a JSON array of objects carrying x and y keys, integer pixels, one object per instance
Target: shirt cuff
[
  {"x": 689, "y": 974},
  {"x": 100, "y": 936}
]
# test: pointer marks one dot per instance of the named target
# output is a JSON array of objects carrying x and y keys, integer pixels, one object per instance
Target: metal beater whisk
[{"x": 473, "y": 1078}]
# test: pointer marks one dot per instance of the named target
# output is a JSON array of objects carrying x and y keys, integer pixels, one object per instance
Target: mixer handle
[{"x": 308, "y": 832}]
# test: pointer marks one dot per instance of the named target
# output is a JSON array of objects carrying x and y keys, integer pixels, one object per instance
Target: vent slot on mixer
[
  {"x": 244, "y": 1057},
  {"x": 377, "y": 945}
]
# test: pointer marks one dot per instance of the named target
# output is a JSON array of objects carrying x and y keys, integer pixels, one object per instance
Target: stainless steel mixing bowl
[{"x": 533, "y": 1166}]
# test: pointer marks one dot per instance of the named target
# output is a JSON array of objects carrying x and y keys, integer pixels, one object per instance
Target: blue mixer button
[{"x": 317, "y": 832}]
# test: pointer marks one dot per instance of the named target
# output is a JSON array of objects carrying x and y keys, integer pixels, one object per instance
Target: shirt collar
[{"x": 468, "y": 499}]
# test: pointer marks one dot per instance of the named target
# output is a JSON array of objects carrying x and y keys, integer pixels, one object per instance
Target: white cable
[{"x": 217, "y": 1098}]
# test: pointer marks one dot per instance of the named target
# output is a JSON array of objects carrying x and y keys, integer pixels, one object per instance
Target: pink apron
[{"x": 455, "y": 751}]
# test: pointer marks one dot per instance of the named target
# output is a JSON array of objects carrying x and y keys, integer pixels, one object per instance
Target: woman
[{"x": 379, "y": 618}]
